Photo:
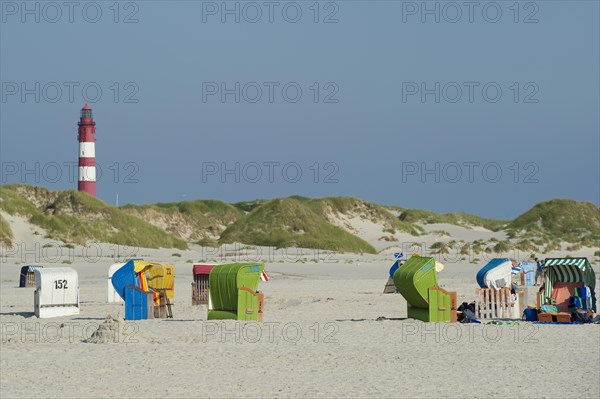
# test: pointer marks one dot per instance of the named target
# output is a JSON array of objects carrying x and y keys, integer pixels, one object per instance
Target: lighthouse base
[{"x": 87, "y": 187}]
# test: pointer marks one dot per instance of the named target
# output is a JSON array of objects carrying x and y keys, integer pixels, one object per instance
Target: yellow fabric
[
  {"x": 156, "y": 276},
  {"x": 141, "y": 265},
  {"x": 162, "y": 276}
]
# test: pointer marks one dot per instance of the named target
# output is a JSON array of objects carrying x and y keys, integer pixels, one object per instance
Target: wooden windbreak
[{"x": 494, "y": 304}]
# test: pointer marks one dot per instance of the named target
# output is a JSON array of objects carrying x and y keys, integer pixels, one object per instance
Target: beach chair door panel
[
  {"x": 138, "y": 304},
  {"x": 247, "y": 305},
  {"x": 443, "y": 306},
  {"x": 439, "y": 305},
  {"x": 433, "y": 305}
]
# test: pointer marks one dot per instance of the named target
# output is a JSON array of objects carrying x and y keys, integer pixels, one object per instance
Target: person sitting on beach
[
  {"x": 514, "y": 291},
  {"x": 539, "y": 272}
]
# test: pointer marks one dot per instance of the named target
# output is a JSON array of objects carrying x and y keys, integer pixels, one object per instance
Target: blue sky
[{"x": 164, "y": 133}]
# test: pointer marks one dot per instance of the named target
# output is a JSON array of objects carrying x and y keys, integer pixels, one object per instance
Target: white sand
[{"x": 320, "y": 338}]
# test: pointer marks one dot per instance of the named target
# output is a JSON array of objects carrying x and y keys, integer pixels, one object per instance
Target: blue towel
[
  {"x": 586, "y": 297},
  {"x": 575, "y": 302}
]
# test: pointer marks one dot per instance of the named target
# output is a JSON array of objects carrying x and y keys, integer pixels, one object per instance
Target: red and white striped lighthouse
[{"x": 87, "y": 152}]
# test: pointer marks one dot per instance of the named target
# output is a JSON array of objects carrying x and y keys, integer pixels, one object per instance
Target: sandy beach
[{"x": 329, "y": 331}]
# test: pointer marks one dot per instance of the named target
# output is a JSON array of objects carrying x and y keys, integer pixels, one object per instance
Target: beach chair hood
[
  {"x": 414, "y": 279},
  {"x": 127, "y": 275},
  {"x": 161, "y": 277},
  {"x": 496, "y": 274},
  {"x": 24, "y": 271}
]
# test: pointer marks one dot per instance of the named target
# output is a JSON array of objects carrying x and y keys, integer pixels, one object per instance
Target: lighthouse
[{"x": 87, "y": 152}]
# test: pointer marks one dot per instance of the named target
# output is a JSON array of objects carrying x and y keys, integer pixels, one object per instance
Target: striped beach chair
[{"x": 562, "y": 272}]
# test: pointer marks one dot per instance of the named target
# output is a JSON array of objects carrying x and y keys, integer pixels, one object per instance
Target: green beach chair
[
  {"x": 416, "y": 280},
  {"x": 233, "y": 292}
]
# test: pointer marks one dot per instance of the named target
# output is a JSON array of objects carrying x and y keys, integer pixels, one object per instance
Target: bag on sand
[
  {"x": 581, "y": 316},
  {"x": 469, "y": 317},
  {"x": 530, "y": 314}
]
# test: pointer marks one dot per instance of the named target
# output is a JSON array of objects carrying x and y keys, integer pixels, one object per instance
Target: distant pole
[{"x": 117, "y": 200}]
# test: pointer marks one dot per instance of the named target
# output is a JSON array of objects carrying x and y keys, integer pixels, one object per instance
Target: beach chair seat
[
  {"x": 553, "y": 317},
  {"x": 545, "y": 317},
  {"x": 563, "y": 317},
  {"x": 223, "y": 314}
]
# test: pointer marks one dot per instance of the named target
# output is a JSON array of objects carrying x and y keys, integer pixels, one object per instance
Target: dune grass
[
  {"x": 455, "y": 218},
  {"x": 350, "y": 205},
  {"x": 189, "y": 220},
  {"x": 560, "y": 220},
  {"x": 6, "y": 234},
  {"x": 249, "y": 206},
  {"x": 292, "y": 222},
  {"x": 75, "y": 217},
  {"x": 72, "y": 216}
]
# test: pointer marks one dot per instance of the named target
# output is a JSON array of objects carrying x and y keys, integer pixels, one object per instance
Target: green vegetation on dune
[
  {"x": 72, "y": 216},
  {"x": 6, "y": 234},
  {"x": 455, "y": 218},
  {"x": 350, "y": 206},
  {"x": 200, "y": 221},
  {"x": 15, "y": 204},
  {"x": 560, "y": 219},
  {"x": 292, "y": 222},
  {"x": 248, "y": 206},
  {"x": 325, "y": 223},
  {"x": 205, "y": 208}
]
